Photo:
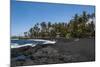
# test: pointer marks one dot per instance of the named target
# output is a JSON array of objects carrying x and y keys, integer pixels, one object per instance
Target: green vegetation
[{"x": 78, "y": 27}]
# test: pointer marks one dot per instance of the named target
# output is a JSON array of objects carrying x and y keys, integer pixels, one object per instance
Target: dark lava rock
[{"x": 61, "y": 52}]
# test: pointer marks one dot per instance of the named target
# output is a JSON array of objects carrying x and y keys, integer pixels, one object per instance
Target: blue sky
[{"x": 25, "y": 14}]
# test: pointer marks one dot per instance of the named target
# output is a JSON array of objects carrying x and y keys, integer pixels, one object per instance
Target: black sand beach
[{"x": 64, "y": 51}]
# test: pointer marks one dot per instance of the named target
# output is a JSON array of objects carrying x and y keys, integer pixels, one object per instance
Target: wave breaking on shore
[{"x": 33, "y": 43}]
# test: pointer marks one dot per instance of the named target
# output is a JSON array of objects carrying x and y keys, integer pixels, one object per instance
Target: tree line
[{"x": 80, "y": 26}]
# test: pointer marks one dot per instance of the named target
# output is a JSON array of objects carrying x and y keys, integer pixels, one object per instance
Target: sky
[{"x": 25, "y": 14}]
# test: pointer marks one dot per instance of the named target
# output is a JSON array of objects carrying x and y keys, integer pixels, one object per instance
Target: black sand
[{"x": 64, "y": 51}]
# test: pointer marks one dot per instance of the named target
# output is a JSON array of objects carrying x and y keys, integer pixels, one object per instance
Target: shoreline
[{"x": 63, "y": 51}]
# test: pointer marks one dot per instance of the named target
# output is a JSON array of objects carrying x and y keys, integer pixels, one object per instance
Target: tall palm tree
[{"x": 25, "y": 34}]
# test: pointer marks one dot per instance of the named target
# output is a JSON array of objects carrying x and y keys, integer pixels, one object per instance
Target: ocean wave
[
  {"x": 18, "y": 46},
  {"x": 35, "y": 42}
]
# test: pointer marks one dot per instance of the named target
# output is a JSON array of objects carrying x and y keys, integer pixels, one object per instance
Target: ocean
[
  {"x": 32, "y": 43},
  {"x": 21, "y": 42}
]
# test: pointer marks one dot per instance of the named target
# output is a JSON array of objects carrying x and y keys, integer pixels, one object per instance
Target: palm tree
[
  {"x": 36, "y": 30},
  {"x": 25, "y": 34},
  {"x": 43, "y": 28},
  {"x": 31, "y": 31},
  {"x": 85, "y": 17}
]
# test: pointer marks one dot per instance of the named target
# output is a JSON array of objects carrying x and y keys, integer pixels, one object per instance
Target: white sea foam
[
  {"x": 18, "y": 46},
  {"x": 15, "y": 45},
  {"x": 49, "y": 42}
]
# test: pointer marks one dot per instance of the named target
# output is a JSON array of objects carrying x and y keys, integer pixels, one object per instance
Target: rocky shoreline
[{"x": 64, "y": 51}]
